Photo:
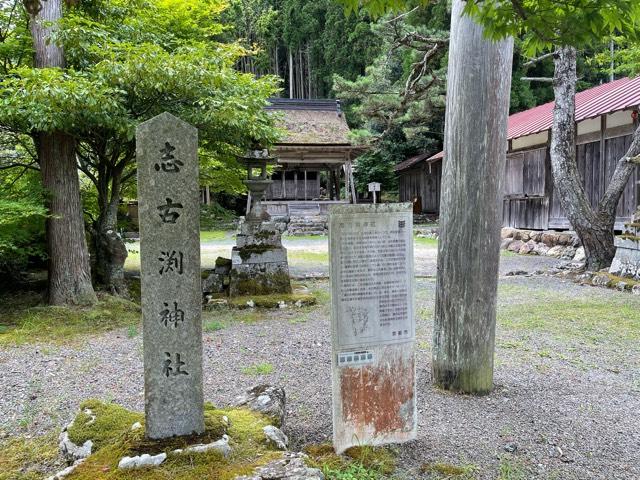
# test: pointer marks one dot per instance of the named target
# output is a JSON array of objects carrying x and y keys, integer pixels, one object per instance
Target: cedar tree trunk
[
  {"x": 69, "y": 269},
  {"x": 594, "y": 226},
  {"x": 478, "y": 89}
]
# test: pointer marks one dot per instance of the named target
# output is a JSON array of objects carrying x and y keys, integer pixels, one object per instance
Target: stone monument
[
  {"x": 372, "y": 324},
  {"x": 258, "y": 261},
  {"x": 169, "y": 213},
  {"x": 626, "y": 263}
]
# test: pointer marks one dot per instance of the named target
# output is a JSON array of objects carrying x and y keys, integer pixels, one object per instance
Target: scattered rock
[
  {"x": 622, "y": 286},
  {"x": 69, "y": 450},
  {"x": 515, "y": 246},
  {"x": 221, "y": 445},
  {"x": 136, "y": 426},
  {"x": 276, "y": 437},
  {"x": 568, "y": 253},
  {"x": 144, "y": 460},
  {"x": 580, "y": 255},
  {"x": 556, "y": 251},
  {"x": 636, "y": 290},
  {"x": 600, "y": 280},
  {"x": 514, "y": 273},
  {"x": 251, "y": 303},
  {"x": 290, "y": 467},
  {"x": 67, "y": 471},
  {"x": 510, "y": 447},
  {"x": 266, "y": 399}
]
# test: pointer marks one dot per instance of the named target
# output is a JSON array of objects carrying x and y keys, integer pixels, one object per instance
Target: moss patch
[
  {"x": 614, "y": 280},
  {"x": 357, "y": 463},
  {"x": 24, "y": 319},
  {"x": 114, "y": 439},
  {"x": 28, "y": 459},
  {"x": 262, "y": 284},
  {"x": 447, "y": 470},
  {"x": 272, "y": 301}
]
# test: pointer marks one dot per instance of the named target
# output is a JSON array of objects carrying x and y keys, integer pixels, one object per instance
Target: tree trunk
[
  {"x": 69, "y": 267},
  {"x": 593, "y": 226},
  {"x": 290, "y": 73},
  {"x": 111, "y": 252},
  {"x": 478, "y": 85}
]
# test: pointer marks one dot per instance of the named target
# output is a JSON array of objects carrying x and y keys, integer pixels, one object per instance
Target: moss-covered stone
[
  {"x": 260, "y": 284},
  {"x": 114, "y": 439},
  {"x": 248, "y": 251},
  {"x": 273, "y": 301}
]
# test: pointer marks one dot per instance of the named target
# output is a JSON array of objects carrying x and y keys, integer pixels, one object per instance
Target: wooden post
[
  {"x": 478, "y": 85},
  {"x": 305, "y": 185},
  {"x": 283, "y": 194},
  {"x": 295, "y": 185},
  {"x": 290, "y": 74}
]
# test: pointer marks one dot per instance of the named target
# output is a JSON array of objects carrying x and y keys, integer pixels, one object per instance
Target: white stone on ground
[
  {"x": 144, "y": 460},
  {"x": 136, "y": 426},
  {"x": 70, "y": 450},
  {"x": 221, "y": 445},
  {"x": 67, "y": 471}
]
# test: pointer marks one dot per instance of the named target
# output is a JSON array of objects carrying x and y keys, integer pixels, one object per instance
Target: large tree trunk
[
  {"x": 479, "y": 80},
  {"x": 69, "y": 269},
  {"x": 593, "y": 226}
]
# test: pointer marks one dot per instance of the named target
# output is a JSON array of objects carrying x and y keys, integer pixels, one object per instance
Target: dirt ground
[{"x": 567, "y": 376}]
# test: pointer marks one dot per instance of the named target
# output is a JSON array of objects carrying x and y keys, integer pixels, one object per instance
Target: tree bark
[
  {"x": 111, "y": 252},
  {"x": 69, "y": 267},
  {"x": 594, "y": 226},
  {"x": 479, "y": 80}
]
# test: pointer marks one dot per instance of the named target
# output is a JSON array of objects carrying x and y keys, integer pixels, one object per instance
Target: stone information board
[
  {"x": 373, "y": 324},
  {"x": 169, "y": 215}
]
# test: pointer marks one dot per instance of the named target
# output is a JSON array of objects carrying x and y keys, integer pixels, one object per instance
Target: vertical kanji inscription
[{"x": 169, "y": 212}]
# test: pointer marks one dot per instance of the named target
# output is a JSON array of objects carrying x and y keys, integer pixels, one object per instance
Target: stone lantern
[{"x": 259, "y": 263}]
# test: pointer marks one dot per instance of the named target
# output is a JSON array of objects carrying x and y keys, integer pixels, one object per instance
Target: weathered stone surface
[
  {"x": 600, "y": 280},
  {"x": 67, "y": 471},
  {"x": 72, "y": 452},
  {"x": 266, "y": 399},
  {"x": 556, "y": 251},
  {"x": 515, "y": 246},
  {"x": 372, "y": 324},
  {"x": 568, "y": 253},
  {"x": 541, "y": 249},
  {"x": 636, "y": 290},
  {"x": 627, "y": 260},
  {"x": 169, "y": 215},
  {"x": 504, "y": 245},
  {"x": 550, "y": 239},
  {"x": 527, "y": 248},
  {"x": 507, "y": 232},
  {"x": 290, "y": 467},
  {"x": 580, "y": 255},
  {"x": 221, "y": 446},
  {"x": 276, "y": 437},
  {"x": 140, "y": 461}
]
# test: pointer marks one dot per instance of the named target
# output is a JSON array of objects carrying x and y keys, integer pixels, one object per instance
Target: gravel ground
[{"x": 570, "y": 414}]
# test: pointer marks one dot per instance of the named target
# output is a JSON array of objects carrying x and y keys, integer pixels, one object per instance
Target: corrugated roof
[
  {"x": 609, "y": 97},
  {"x": 315, "y": 121}
]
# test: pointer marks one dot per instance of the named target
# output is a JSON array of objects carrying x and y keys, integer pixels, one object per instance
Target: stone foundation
[
  {"x": 564, "y": 245},
  {"x": 627, "y": 260}
]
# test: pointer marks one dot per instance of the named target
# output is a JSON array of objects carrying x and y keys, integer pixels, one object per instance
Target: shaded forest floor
[{"x": 564, "y": 407}]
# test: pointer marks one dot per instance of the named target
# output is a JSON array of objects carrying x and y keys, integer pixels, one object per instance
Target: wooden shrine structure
[{"x": 315, "y": 158}]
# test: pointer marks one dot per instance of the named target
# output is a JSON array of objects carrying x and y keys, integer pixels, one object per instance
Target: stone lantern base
[{"x": 259, "y": 261}]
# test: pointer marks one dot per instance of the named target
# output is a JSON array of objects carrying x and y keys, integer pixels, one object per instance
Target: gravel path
[{"x": 571, "y": 415}]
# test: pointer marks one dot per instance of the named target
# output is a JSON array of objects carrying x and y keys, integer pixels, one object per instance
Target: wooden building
[
  {"x": 315, "y": 158},
  {"x": 606, "y": 116}
]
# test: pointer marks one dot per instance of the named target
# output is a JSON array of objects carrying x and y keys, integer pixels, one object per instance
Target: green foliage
[
  {"x": 545, "y": 23},
  {"x": 626, "y": 57},
  {"x": 358, "y": 463},
  {"x": 258, "y": 369},
  {"x": 22, "y": 214},
  {"x": 214, "y": 216}
]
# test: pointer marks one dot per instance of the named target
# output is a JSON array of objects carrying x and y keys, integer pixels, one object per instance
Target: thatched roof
[{"x": 311, "y": 122}]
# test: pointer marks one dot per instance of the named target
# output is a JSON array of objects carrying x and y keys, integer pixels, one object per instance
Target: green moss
[
  {"x": 249, "y": 250},
  {"x": 614, "y": 280},
  {"x": 28, "y": 458},
  {"x": 272, "y": 301},
  {"x": 28, "y": 321},
  {"x": 448, "y": 470},
  {"x": 263, "y": 284},
  {"x": 110, "y": 422},
  {"x": 629, "y": 236},
  {"x": 244, "y": 427},
  {"x": 259, "y": 369},
  {"x": 358, "y": 463}
]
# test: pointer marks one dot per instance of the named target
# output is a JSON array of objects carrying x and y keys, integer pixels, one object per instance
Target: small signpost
[
  {"x": 374, "y": 187},
  {"x": 372, "y": 324},
  {"x": 169, "y": 213}
]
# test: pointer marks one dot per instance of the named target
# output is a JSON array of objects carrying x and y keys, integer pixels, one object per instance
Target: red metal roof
[{"x": 609, "y": 97}]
